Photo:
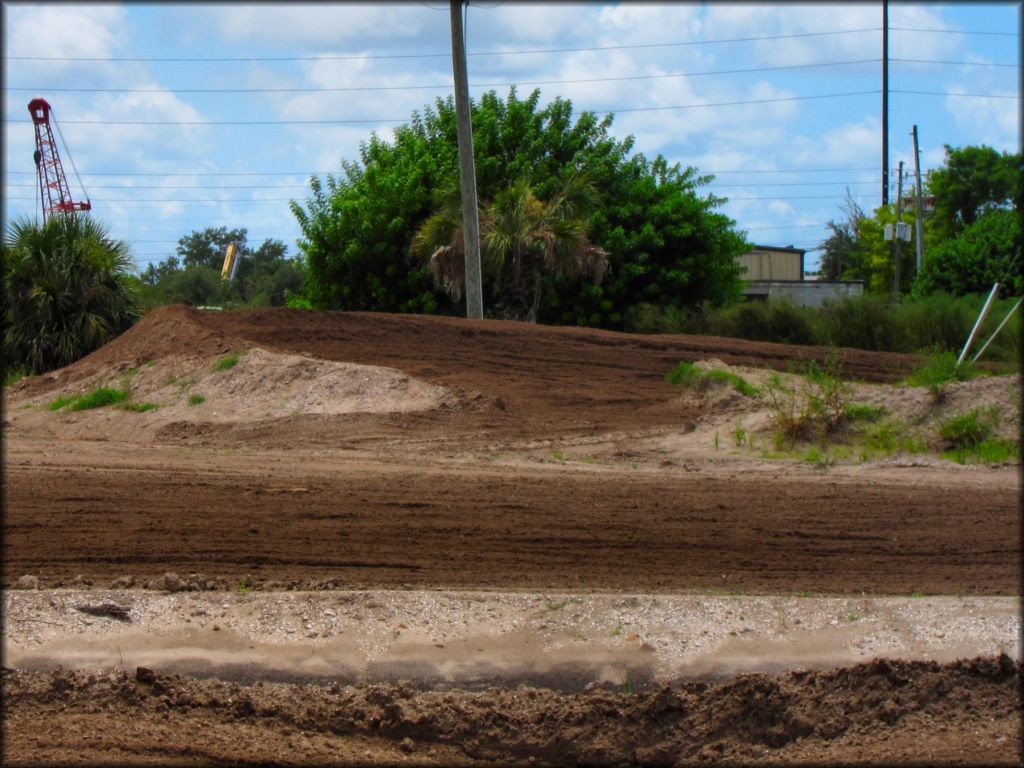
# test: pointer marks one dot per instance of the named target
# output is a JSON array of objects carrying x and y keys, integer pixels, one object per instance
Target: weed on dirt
[{"x": 97, "y": 398}]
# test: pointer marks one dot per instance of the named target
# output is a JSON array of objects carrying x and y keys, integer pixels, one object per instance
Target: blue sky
[{"x": 793, "y": 93}]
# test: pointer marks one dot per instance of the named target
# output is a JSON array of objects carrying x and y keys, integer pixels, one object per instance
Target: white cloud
[
  {"x": 88, "y": 31},
  {"x": 324, "y": 24}
]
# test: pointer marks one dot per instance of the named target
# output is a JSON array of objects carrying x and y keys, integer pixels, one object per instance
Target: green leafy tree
[
  {"x": 973, "y": 181},
  {"x": 67, "y": 291},
  {"x": 986, "y": 252},
  {"x": 523, "y": 240},
  {"x": 206, "y": 247},
  {"x": 358, "y": 226}
]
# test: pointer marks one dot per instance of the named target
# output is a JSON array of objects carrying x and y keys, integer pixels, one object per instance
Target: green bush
[
  {"x": 934, "y": 322},
  {"x": 863, "y": 412},
  {"x": 991, "y": 451},
  {"x": 196, "y": 399},
  {"x": 140, "y": 407},
  {"x": 97, "y": 398},
  {"x": 689, "y": 376},
  {"x": 970, "y": 429},
  {"x": 226, "y": 363}
]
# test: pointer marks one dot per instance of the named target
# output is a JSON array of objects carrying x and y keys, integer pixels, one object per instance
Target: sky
[{"x": 182, "y": 116}]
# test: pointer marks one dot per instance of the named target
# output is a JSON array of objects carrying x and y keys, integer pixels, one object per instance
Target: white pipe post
[
  {"x": 997, "y": 330},
  {"x": 978, "y": 322}
]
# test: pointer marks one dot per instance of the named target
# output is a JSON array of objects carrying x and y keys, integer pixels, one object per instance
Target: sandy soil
[{"x": 384, "y": 515}]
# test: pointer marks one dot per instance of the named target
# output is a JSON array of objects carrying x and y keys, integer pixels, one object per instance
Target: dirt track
[{"x": 474, "y": 494}]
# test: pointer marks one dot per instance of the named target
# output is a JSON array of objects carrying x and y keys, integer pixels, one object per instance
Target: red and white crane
[{"x": 54, "y": 194}]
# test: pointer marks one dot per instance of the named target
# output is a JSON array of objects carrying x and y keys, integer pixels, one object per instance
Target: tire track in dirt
[{"x": 393, "y": 525}]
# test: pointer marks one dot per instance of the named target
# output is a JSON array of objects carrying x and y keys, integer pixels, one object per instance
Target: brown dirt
[
  {"x": 965, "y": 712},
  {"x": 481, "y": 455}
]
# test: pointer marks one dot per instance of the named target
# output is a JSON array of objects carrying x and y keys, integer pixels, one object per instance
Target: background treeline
[
  {"x": 936, "y": 322},
  {"x": 264, "y": 277}
]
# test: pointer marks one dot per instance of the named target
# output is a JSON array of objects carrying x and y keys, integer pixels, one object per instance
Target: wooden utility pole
[
  {"x": 899, "y": 220},
  {"x": 919, "y": 224},
  {"x": 885, "y": 102},
  {"x": 467, "y": 169}
]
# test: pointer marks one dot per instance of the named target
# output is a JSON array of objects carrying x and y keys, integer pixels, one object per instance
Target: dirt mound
[{"x": 883, "y": 711}]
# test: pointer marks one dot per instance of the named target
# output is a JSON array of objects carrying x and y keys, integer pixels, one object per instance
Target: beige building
[
  {"x": 770, "y": 262},
  {"x": 774, "y": 272}
]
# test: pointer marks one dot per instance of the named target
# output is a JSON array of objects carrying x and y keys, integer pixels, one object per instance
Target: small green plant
[
  {"x": 716, "y": 440},
  {"x": 938, "y": 370},
  {"x": 991, "y": 451},
  {"x": 738, "y": 383},
  {"x": 821, "y": 459},
  {"x": 853, "y": 616},
  {"x": 863, "y": 412},
  {"x": 227, "y": 362},
  {"x": 684, "y": 376},
  {"x": 806, "y": 593},
  {"x": 689, "y": 376},
  {"x": 617, "y": 630},
  {"x": 140, "y": 407},
  {"x": 13, "y": 375},
  {"x": 557, "y": 455},
  {"x": 889, "y": 436},
  {"x": 627, "y": 684},
  {"x": 557, "y": 606},
  {"x": 739, "y": 436},
  {"x": 967, "y": 430},
  {"x": 97, "y": 398},
  {"x": 245, "y": 584},
  {"x": 916, "y": 594},
  {"x": 196, "y": 399}
]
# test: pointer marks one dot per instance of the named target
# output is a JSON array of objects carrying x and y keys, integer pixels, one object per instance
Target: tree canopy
[
  {"x": 67, "y": 291},
  {"x": 663, "y": 240},
  {"x": 193, "y": 276},
  {"x": 972, "y": 239}
]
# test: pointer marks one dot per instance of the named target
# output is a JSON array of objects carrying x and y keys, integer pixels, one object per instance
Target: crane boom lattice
[{"x": 54, "y": 194}]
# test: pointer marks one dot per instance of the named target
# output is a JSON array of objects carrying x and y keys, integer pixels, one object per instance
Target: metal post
[
  {"x": 978, "y": 322},
  {"x": 467, "y": 169},
  {"x": 919, "y": 224},
  {"x": 995, "y": 333},
  {"x": 899, "y": 220}
]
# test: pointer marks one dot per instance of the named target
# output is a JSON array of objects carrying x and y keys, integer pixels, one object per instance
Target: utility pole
[
  {"x": 467, "y": 169},
  {"x": 899, "y": 219},
  {"x": 919, "y": 224},
  {"x": 885, "y": 102}
]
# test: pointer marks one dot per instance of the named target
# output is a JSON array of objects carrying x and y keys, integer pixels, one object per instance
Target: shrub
[
  {"x": 140, "y": 407},
  {"x": 196, "y": 399},
  {"x": 938, "y": 370},
  {"x": 968, "y": 430},
  {"x": 689, "y": 376},
  {"x": 227, "y": 362},
  {"x": 991, "y": 451},
  {"x": 863, "y": 412}
]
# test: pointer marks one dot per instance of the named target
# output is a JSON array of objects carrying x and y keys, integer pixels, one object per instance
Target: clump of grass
[
  {"x": 59, "y": 402},
  {"x": 97, "y": 398},
  {"x": 968, "y": 430},
  {"x": 863, "y": 412},
  {"x": 140, "y": 407},
  {"x": 991, "y": 451},
  {"x": 892, "y": 435},
  {"x": 13, "y": 375},
  {"x": 739, "y": 435},
  {"x": 938, "y": 370},
  {"x": 196, "y": 399},
  {"x": 689, "y": 376},
  {"x": 227, "y": 362},
  {"x": 820, "y": 458}
]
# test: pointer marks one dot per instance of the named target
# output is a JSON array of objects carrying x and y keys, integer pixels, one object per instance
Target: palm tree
[
  {"x": 523, "y": 241},
  {"x": 66, "y": 291}
]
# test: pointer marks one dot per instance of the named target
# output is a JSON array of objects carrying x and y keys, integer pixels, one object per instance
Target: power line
[
  {"x": 323, "y": 173},
  {"x": 953, "y": 31},
  {"x": 968, "y": 95},
  {"x": 438, "y": 55},
  {"x": 448, "y": 86},
  {"x": 956, "y": 63},
  {"x": 403, "y": 120},
  {"x": 306, "y": 186}
]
